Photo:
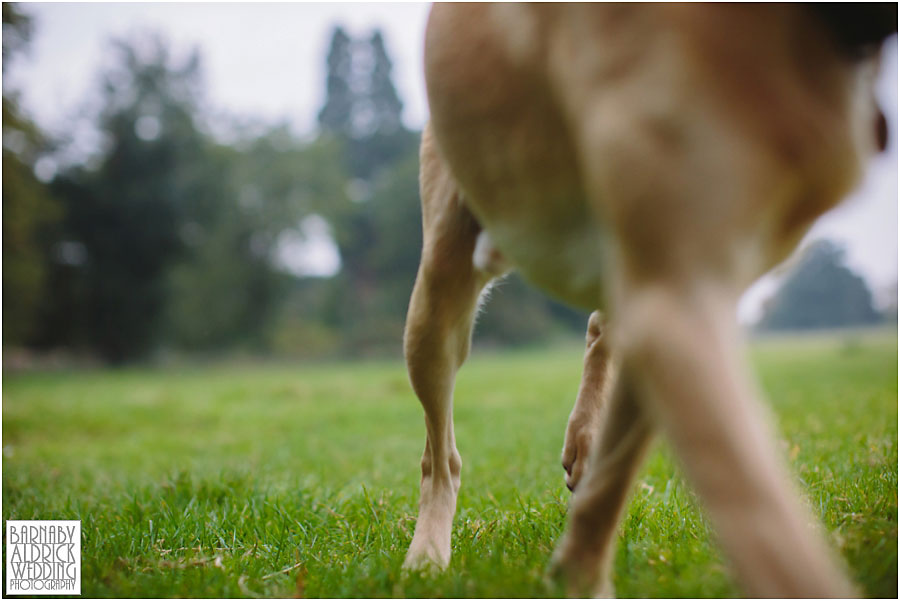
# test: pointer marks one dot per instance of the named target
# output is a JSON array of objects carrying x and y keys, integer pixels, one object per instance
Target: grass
[{"x": 282, "y": 481}]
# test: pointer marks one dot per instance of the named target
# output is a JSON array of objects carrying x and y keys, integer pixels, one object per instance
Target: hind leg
[
  {"x": 585, "y": 419},
  {"x": 436, "y": 342},
  {"x": 584, "y": 555}
]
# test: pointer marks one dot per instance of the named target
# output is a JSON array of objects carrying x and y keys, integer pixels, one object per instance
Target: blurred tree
[
  {"x": 379, "y": 234},
  {"x": 362, "y": 108},
  {"x": 821, "y": 292},
  {"x": 336, "y": 116},
  {"x": 123, "y": 212},
  {"x": 171, "y": 237},
  {"x": 381, "y": 138},
  {"x": 386, "y": 104},
  {"x": 381, "y": 251},
  {"x": 28, "y": 207},
  {"x": 229, "y": 289}
]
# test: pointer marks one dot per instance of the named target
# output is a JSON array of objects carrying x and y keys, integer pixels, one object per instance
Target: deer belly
[{"x": 560, "y": 250}]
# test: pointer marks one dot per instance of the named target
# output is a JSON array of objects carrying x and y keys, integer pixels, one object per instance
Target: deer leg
[
  {"x": 584, "y": 555},
  {"x": 584, "y": 421},
  {"x": 436, "y": 343},
  {"x": 692, "y": 379}
]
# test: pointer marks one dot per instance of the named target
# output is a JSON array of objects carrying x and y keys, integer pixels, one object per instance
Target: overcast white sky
[
  {"x": 261, "y": 59},
  {"x": 267, "y": 61}
]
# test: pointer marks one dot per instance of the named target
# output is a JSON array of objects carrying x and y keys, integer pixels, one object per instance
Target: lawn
[{"x": 281, "y": 481}]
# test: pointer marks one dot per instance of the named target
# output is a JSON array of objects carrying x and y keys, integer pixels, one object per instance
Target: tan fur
[{"x": 652, "y": 161}]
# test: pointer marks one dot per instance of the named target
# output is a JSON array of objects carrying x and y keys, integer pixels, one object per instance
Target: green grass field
[{"x": 302, "y": 480}]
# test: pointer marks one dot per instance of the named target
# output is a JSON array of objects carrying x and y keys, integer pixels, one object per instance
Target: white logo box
[{"x": 43, "y": 557}]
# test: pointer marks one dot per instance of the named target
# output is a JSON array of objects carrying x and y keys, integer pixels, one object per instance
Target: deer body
[{"x": 650, "y": 161}]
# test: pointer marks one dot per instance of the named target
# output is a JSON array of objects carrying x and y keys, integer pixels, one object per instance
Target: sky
[
  {"x": 267, "y": 61},
  {"x": 261, "y": 59}
]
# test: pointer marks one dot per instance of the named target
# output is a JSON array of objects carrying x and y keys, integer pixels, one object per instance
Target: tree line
[{"x": 169, "y": 238}]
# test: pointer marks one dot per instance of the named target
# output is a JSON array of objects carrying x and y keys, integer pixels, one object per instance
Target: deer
[{"x": 647, "y": 162}]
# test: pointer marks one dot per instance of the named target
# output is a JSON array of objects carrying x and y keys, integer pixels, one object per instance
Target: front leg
[
  {"x": 685, "y": 344},
  {"x": 584, "y": 421}
]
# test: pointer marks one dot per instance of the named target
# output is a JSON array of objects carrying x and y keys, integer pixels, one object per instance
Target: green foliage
[
  {"x": 28, "y": 211},
  {"x": 123, "y": 213},
  {"x": 228, "y": 289},
  {"x": 241, "y": 481},
  {"x": 28, "y": 208},
  {"x": 362, "y": 108},
  {"x": 380, "y": 243},
  {"x": 385, "y": 103},
  {"x": 821, "y": 292},
  {"x": 172, "y": 237},
  {"x": 336, "y": 115},
  {"x": 361, "y": 100}
]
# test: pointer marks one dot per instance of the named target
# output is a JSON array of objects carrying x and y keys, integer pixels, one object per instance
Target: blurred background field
[
  {"x": 211, "y": 228},
  {"x": 256, "y": 480}
]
